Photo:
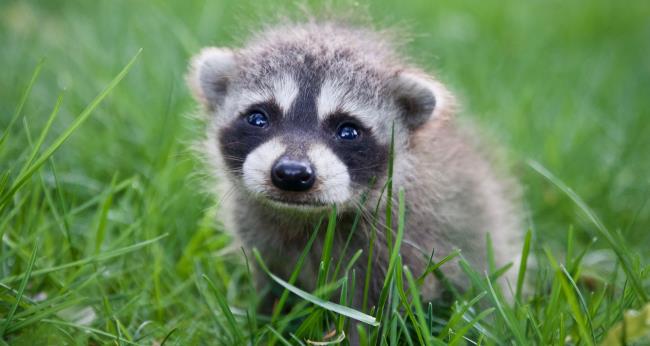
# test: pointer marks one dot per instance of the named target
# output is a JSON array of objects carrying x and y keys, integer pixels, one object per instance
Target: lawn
[{"x": 109, "y": 235}]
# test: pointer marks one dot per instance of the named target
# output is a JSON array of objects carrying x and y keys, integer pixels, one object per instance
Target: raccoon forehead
[
  {"x": 281, "y": 89},
  {"x": 294, "y": 91}
]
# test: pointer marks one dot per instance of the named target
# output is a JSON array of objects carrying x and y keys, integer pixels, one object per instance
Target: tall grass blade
[
  {"x": 433, "y": 268},
  {"x": 344, "y": 301},
  {"x": 602, "y": 229},
  {"x": 42, "y": 314},
  {"x": 102, "y": 219},
  {"x": 399, "y": 282},
  {"x": 389, "y": 189},
  {"x": 89, "y": 330},
  {"x": 507, "y": 317},
  {"x": 585, "y": 335},
  {"x": 353, "y": 229},
  {"x": 336, "y": 308},
  {"x": 251, "y": 313},
  {"x": 460, "y": 333},
  {"x": 419, "y": 311},
  {"x": 83, "y": 116},
  {"x": 583, "y": 304},
  {"x": 407, "y": 336},
  {"x": 326, "y": 256},
  {"x": 294, "y": 275},
  {"x": 394, "y": 255},
  {"x": 523, "y": 265},
  {"x": 21, "y": 291},
  {"x": 459, "y": 314},
  {"x": 278, "y": 335},
  {"x": 225, "y": 309},
  {"x": 41, "y": 138},
  {"x": 21, "y": 103},
  {"x": 88, "y": 260}
]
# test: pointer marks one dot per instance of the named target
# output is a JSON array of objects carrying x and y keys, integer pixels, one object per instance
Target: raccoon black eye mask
[
  {"x": 340, "y": 135},
  {"x": 301, "y": 118}
]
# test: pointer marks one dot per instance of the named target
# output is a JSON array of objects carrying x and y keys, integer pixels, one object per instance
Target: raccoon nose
[{"x": 293, "y": 175}]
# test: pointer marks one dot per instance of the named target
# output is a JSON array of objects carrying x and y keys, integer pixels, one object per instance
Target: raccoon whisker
[
  {"x": 232, "y": 169},
  {"x": 234, "y": 158},
  {"x": 365, "y": 167},
  {"x": 260, "y": 170},
  {"x": 229, "y": 193},
  {"x": 372, "y": 219},
  {"x": 235, "y": 172},
  {"x": 236, "y": 143}
]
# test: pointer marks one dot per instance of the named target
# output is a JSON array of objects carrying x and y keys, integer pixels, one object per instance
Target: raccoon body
[{"x": 301, "y": 119}]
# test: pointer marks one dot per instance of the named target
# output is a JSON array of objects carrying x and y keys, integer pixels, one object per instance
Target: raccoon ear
[
  {"x": 210, "y": 74},
  {"x": 417, "y": 97}
]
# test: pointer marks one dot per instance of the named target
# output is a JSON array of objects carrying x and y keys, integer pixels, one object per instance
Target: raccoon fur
[{"x": 301, "y": 119}]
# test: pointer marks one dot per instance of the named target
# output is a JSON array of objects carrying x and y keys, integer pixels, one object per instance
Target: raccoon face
[{"x": 304, "y": 134}]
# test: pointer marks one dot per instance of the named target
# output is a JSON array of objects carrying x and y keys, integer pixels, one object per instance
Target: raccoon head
[{"x": 304, "y": 125}]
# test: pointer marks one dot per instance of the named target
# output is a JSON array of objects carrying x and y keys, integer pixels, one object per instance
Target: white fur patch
[
  {"x": 246, "y": 98},
  {"x": 257, "y": 166},
  {"x": 332, "y": 175},
  {"x": 330, "y": 98},
  {"x": 285, "y": 91}
]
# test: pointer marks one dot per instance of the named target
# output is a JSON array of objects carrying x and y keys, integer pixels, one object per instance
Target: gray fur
[{"x": 453, "y": 195}]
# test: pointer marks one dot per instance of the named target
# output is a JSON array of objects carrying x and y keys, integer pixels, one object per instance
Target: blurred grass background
[{"x": 564, "y": 83}]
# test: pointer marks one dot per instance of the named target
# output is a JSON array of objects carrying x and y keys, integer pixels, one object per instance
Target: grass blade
[
  {"x": 102, "y": 219},
  {"x": 389, "y": 189},
  {"x": 83, "y": 116},
  {"x": 336, "y": 308},
  {"x": 344, "y": 301},
  {"x": 42, "y": 314},
  {"x": 433, "y": 268},
  {"x": 572, "y": 301},
  {"x": 278, "y": 335},
  {"x": 602, "y": 229},
  {"x": 407, "y": 305},
  {"x": 521, "y": 276},
  {"x": 21, "y": 291},
  {"x": 41, "y": 138},
  {"x": 90, "y": 330},
  {"x": 23, "y": 100},
  {"x": 326, "y": 256},
  {"x": 225, "y": 309},
  {"x": 419, "y": 312},
  {"x": 458, "y": 315},
  {"x": 581, "y": 300},
  {"x": 92, "y": 259},
  {"x": 394, "y": 255},
  {"x": 294, "y": 275},
  {"x": 353, "y": 229},
  {"x": 507, "y": 318},
  {"x": 460, "y": 334}
]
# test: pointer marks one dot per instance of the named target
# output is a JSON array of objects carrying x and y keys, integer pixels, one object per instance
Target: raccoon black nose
[{"x": 293, "y": 175}]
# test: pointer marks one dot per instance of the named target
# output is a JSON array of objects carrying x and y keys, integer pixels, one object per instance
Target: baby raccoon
[{"x": 302, "y": 118}]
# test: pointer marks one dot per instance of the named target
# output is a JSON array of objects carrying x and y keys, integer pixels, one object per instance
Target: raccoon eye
[
  {"x": 257, "y": 118},
  {"x": 347, "y": 131}
]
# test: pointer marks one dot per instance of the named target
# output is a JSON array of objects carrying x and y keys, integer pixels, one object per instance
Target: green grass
[{"x": 107, "y": 234}]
